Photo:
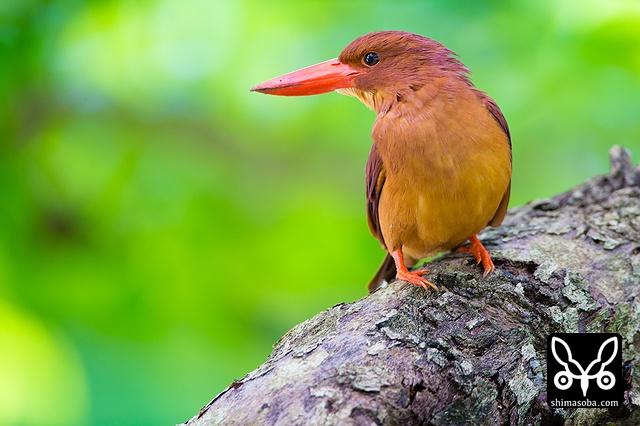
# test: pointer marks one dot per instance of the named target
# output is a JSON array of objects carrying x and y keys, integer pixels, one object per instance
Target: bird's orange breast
[{"x": 448, "y": 165}]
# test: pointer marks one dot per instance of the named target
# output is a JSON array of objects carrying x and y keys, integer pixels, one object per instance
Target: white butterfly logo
[{"x": 564, "y": 379}]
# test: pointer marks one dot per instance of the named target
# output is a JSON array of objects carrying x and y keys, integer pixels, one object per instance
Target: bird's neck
[
  {"x": 412, "y": 125},
  {"x": 412, "y": 95}
]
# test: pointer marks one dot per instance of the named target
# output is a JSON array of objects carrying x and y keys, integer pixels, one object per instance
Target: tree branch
[{"x": 475, "y": 353}]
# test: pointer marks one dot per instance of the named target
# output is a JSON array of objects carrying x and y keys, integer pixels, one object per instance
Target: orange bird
[{"x": 439, "y": 170}]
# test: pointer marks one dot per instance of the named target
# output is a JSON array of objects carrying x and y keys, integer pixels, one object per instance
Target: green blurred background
[{"x": 161, "y": 226}]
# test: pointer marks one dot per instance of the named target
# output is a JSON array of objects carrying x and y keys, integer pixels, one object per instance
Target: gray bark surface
[{"x": 474, "y": 353}]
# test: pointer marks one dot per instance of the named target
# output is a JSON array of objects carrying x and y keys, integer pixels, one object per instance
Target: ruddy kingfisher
[{"x": 439, "y": 170}]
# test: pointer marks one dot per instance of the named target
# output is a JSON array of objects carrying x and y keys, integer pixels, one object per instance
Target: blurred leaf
[{"x": 38, "y": 369}]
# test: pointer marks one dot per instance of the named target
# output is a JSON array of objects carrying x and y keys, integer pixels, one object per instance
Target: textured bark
[{"x": 475, "y": 353}]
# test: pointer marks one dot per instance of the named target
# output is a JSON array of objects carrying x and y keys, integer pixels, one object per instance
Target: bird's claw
[
  {"x": 416, "y": 277},
  {"x": 480, "y": 254},
  {"x": 487, "y": 264}
]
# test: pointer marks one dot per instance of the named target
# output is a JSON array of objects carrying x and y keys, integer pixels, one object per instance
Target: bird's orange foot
[
  {"x": 416, "y": 277},
  {"x": 480, "y": 253}
]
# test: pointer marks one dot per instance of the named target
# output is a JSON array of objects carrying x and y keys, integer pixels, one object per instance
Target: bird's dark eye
[{"x": 371, "y": 59}]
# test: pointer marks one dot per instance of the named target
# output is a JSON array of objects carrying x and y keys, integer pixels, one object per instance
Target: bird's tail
[{"x": 386, "y": 273}]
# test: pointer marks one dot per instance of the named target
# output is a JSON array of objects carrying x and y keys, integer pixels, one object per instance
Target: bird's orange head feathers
[{"x": 396, "y": 58}]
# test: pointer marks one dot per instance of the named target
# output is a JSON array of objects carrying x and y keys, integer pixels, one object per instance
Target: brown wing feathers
[{"x": 375, "y": 176}]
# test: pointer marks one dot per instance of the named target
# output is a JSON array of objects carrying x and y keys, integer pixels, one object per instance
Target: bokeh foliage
[{"x": 161, "y": 227}]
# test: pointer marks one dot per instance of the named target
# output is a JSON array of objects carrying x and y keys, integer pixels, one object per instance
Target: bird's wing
[
  {"x": 493, "y": 108},
  {"x": 375, "y": 181},
  {"x": 497, "y": 218}
]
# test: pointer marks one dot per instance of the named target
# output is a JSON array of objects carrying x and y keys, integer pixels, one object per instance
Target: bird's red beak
[{"x": 320, "y": 78}]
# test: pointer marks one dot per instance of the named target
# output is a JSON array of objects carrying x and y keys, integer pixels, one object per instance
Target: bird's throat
[{"x": 373, "y": 100}]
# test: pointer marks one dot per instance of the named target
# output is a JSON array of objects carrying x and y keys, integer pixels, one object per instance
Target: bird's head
[{"x": 377, "y": 68}]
